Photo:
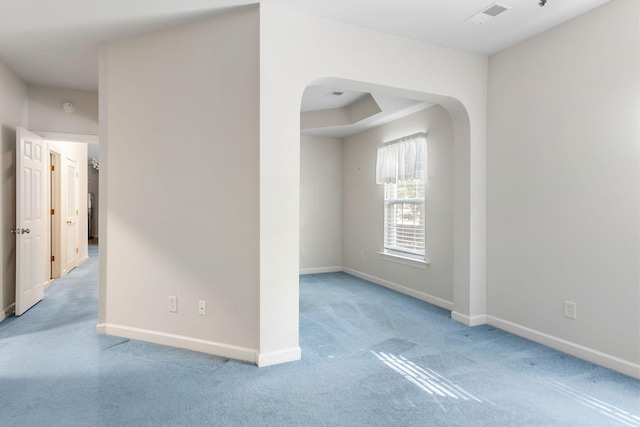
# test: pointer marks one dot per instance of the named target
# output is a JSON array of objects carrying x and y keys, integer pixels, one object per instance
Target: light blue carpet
[{"x": 371, "y": 357}]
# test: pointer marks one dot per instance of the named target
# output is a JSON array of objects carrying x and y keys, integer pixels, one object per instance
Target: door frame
[
  {"x": 72, "y": 222},
  {"x": 55, "y": 205},
  {"x": 52, "y": 138}
]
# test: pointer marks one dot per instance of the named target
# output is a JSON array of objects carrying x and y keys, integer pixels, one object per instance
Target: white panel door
[
  {"x": 30, "y": 217},
  {"x": 72, "y": 214}
]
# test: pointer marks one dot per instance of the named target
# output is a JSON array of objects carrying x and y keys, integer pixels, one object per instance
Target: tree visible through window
[{"x": 402, "y": 168}]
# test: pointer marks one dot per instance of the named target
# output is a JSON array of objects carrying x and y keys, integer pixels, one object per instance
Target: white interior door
[
  {"x": 30, "y": 219},
  {"x": 72, "y": 215}
]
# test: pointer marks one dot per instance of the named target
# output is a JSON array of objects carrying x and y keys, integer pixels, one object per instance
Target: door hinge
[
  {"x": 76, "y": 211},
  {"x": 53, "y": 211},
  {"x": 52, "y": 168},
  {"x": 76, "y": 250},
  {"x": 53, "y": 258}
]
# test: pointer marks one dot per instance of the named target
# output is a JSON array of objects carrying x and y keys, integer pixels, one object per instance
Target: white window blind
[
  {"x": 404, "y": 222},
  {"x": 401, "y": 167}
]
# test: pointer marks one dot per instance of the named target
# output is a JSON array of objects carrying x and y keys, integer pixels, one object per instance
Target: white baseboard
[
  {"x": 47, "y": 284},
  {"x": 203, "y": 346},
  {"x": 280, "y": 356},
  {"x": 317, "y": 270},
  {"x": 402, "y": 289},
  {"x": 7, "y": 311},
  {"x": 599, "y": 358},
  {"x": 469, "y": 320},
  {"x": 581, "y": 352}
]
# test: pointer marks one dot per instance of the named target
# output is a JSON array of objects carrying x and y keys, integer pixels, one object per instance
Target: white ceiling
[
  {"x": 322, "y": 98},
  {"x": 325, "y": 98},
  {"x": 55, "y": 43}
]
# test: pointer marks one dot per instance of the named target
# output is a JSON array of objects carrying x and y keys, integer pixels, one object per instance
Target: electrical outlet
[
  {"x": 570, "y": 309},
  {"x": 361, "y": 256},
  {"x": 173, "y": 304},
  {"x": 202, "y": 308},
  {"x": 303, "y": 253}
]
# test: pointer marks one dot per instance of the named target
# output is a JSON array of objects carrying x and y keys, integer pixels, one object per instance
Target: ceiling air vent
[
  {"x": 488, "y": 13},
  {"x": 335, "y": 93}
]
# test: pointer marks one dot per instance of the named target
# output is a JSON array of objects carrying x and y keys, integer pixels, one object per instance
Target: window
[
  {"x": 404, "y": 217},
  {"x": 401, "y": 168}
]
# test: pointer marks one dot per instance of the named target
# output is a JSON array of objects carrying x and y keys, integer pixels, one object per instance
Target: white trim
[
  {"x": 402, "y": 289},
  {"x": 48, "y": 283},
  {"x": 318, "y": 270},
  {"x": 7, "y": 311},
  {"x": 203, "y": 346},
  {"x": 469, "y": 320},
  {"x": 277, "y": 357},
  {"x": 67, "y": 137},
  {"x": 404, "y": 260},
  {"x": 581, "y": 352}
]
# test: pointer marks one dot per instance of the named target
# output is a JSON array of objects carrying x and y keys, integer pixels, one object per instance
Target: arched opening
[
  {"x": 463, "y": 291},
  {"x": 356, "y": 233}
]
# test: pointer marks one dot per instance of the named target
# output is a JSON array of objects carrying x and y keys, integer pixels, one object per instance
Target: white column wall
[{"x": 179, "y": 137}]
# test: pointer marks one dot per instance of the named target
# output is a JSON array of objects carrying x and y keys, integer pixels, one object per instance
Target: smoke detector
[
  {"x": 488, "y": 13},
  {"x": 68, "y": 107}
]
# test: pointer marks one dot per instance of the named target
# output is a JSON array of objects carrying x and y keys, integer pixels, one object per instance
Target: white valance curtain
[{"x": 403, "y": 159}]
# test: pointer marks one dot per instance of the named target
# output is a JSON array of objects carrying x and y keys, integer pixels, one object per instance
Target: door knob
[
  {"x": 69, "y": 222},
  {"x": 26, "y": 230}
]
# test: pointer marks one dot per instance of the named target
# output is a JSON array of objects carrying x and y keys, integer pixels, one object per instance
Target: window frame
[{"x": 390, "y": 241}]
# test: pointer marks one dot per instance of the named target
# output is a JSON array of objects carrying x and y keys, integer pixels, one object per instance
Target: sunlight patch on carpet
[
  {"x": 620, "y": 415},
  {"x": 427, "y": 379}
]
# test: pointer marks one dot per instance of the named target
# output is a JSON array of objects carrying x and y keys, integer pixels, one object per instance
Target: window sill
[{"x": 412, "y": 262}]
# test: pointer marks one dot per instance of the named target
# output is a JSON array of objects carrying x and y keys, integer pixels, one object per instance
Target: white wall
[
  {"x": 46, "y": 113},
  {"x": 214, "y": 89},
  {"x": 563, "y": 186},
  {"x": 363, "y": 208},
  {"x": 180, "y": 190},
  {"x": 251, "y": 274},
  {"x": 297, "y": 50},
  {"x": 184, "y": 110},
  {"x": 320, "y": 204},
  {"x": 47, "y": 116},
  {"x": 13, "y": 113}
]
